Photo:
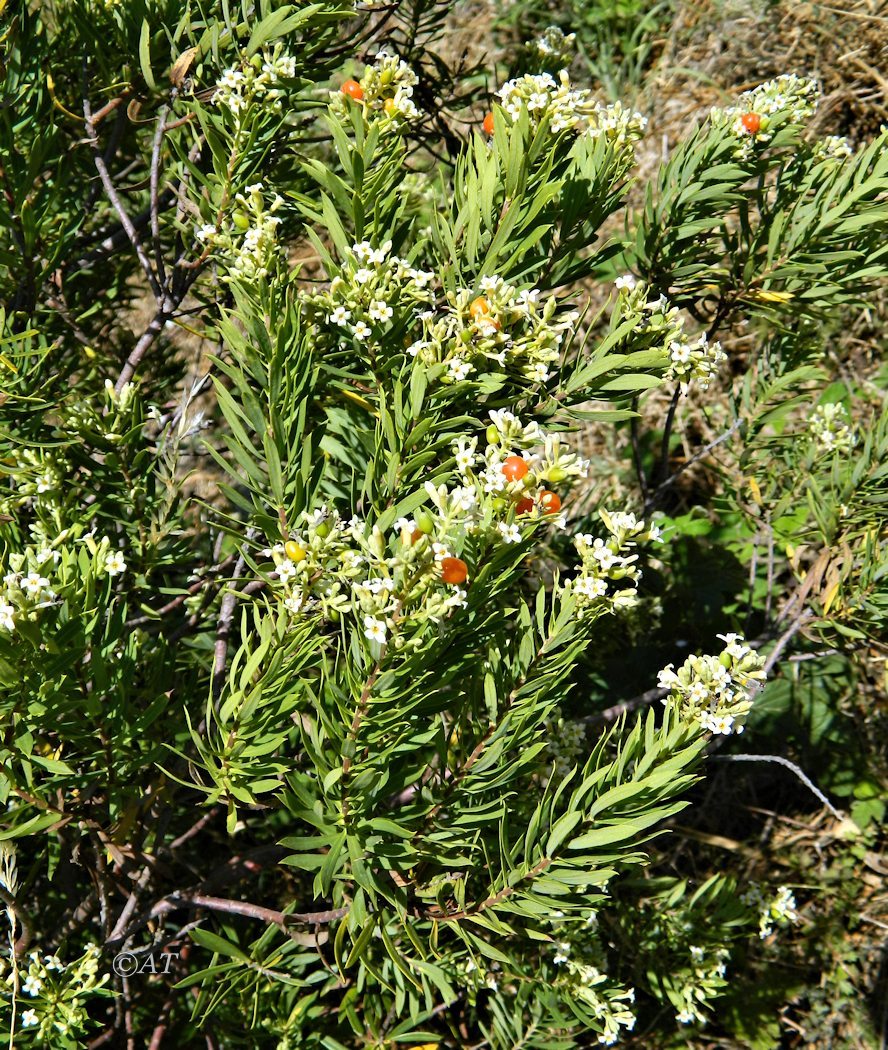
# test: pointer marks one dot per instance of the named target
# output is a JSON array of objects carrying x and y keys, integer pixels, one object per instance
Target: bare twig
[
  {"x": 113, "y": 196},
  {"x": 251, "y": 911},
  {"x": 23, "y": 919},
  {"x": 837, "y": 813},
  {"x": 223, "y": 631},
  {"x": 650, "y": 503},
  {"x": 146, "y": 341},
  {"x": 155, "y": 200},
  {"x": 667, "y": 433}
]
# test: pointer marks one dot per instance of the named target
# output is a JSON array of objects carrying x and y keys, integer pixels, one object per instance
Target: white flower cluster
[
  {"x": 553, "y": 48},
  {"x": 831, "y": 428},
  {"x": 38, "y": 477},
  {"x": 610, "y": 562},
  {"x": 30, "y": 584},
  {"x": 502, "y": 329},
  {"x": 512, "y": 471},
  {"x": 776, "y": 912},
  {"x": 698, "y": 361},
  {"x": 394, "y": 585},
  {"x": 832, "y": 148},
  {"x": 567, "y": 108},
  {"x": 715, "y": 691},
  {"x": 566, "y": 743},
  {"x": 59, "y": 994},
  {"x": 789, "y": 95},
  {"x": 260, "y": 80},
  {"x": 609, "y": 1004},
  {"x": 385, "y": 93},
  {"x": 695, "y": 360},
  {"x": 373, "y": 291},
  {"x": 709, "y": 967},
  {"x": 27, "y": 588},
  {"x": 248, "y": 244}
]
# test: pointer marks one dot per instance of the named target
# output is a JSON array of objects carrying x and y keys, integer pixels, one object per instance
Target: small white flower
[
  {"x": 380, "y": 311},
  {"x": 29, "y": 1019},
  {"x": 294, "y": 603},
  {"x": 340, "y": 316},
  {"x": 32, "y": 985},
  {"x": 286, "y": 570},
  {"x": 361, "y": 331},
  {"x": 375, "y": 629},
  {"x": 510, "y": 533},
  {"x": 114, "y": 563},
  {"x": 627, "y": 281},
  {"x": 363, "y": 275},
  {"x": 34, "y": 583},
  {"x": 460, "y": 370},
  {"x": 6, "y": 620}
]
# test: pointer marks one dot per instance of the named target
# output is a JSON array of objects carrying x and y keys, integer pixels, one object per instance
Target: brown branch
[
  {"x": 111, "y": 193},
  {"x": 146, "y": 341},
  {"x": 252, "y": 911},
  {"x": 492, "y": 900},
  {"x": 23, "y": 919},
  {"x": 352, "y": 737},
  {"x": 154, "y": 193}
]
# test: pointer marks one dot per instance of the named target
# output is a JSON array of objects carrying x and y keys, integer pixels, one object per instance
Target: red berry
[
  {"x": 752, "y": 122},
  {"x": 353, "y": 89},
  {"x": 550, "y": 502},
  {"x": 524, "y": 506},
  {"x": 454, "y": 570},
  {"x": 514, "y": 468},
  {"x": 487, "y": 124}
]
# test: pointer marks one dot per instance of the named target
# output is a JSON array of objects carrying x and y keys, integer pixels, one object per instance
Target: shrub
[{"x": 295, "y": 360}]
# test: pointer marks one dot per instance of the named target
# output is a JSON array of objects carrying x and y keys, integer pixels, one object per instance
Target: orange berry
[
  {"x": 524, "y": 506},
  {"x": 389, "y": 106},
  {"x": 416, "y": 536},
  {"x": 487, "y": 124},
  {"x": 479, "y": 308},
  {"x": 550, "y": 502},
  {"x": 752, "y": 122},
  {"x": 353, "y": 89},
  {"x": 454, "y": 570},
  {"x": 515, "y": 468}
]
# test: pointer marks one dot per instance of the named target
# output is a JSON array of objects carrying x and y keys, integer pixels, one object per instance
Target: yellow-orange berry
[
  {"x": 752, "y": 122},
  {"x": 514, "y": 468},
  {"x": 454, "y": 570},
  {"x": 294, "y": 552},
  {"x": 479, "y": 308},
  {"x": 353, "y": 89},
  {"x": 550, "y": 502},
  {"x": 487, "y": 124}
]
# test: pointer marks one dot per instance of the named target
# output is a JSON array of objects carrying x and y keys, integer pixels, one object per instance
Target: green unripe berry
[
  {"x": 240, "y": 220},
  {"x": 556, "y": 474},
  {"x": 425, "y": 522},
  {"x": 492, "y": 434},
  {"x": 322, "y": 529},
  {"x": 726, "y": 661},
  {"x": 498, "y": 504}
]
